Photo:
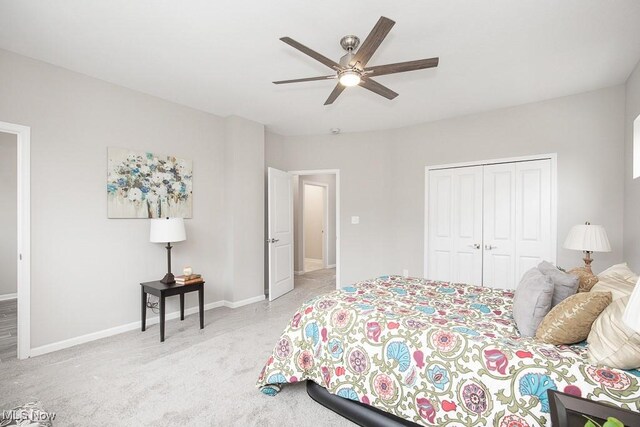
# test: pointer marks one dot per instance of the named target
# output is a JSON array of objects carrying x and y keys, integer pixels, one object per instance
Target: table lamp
[
  {"x": 587, "y": 238},
  {"x": 167, "y": 230}
]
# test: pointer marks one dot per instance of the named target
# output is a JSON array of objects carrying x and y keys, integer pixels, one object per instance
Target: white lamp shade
[
  {"x": 165, "y": 230},
  {"x": 588, "y": 237},
  {"x": 631, "y": 316}
]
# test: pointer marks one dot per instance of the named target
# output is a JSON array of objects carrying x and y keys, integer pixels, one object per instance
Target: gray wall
[
  {"x": 8, "y": 213},
  {"x": 86, "y": 269},
  {"x": 382, "y": 173},
  {"x": 330, "y": 180},
  {"x": 631, "y": 186}
]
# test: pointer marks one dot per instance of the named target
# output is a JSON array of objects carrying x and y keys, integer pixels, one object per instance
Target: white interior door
[
  {"x": 533, "y": 215},
  {"x": 499, "y": 225},
  {"x": 280, "y": 239},
  {"x": 455, "y": 225}
]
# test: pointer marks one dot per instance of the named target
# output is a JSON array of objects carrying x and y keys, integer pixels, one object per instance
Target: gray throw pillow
[
  {"x": 532, "y": 301},
  {"x": 565, "y": 284}
]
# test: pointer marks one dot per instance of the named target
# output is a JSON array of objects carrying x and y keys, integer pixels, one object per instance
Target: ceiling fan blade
[
  {"x": 401, "y": 67},
  {"x": 376, "y": 87},
  {"x": 312, "y": 53},
  {"x": 336, "y": 92},
  {"x": 308, "y": 79},
  {"x": 373, "y": 40}
]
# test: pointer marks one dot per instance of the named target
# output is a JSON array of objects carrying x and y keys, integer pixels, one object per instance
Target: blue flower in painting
[
  {"x": 122, "y": 182},
  {"x": 135, "y": 171},
  {"x": 537, "y": 385},
  {"x": 438, "y": 376},
  {"x": 111, "y": 188},
  {"x": 145, "y": 190}
]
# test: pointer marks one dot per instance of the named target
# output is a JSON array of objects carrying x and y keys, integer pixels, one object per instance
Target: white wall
[
  {"x": 86, "y": 269},
  {"x": 382, "y": 173},
  {"x": 632, "y": 186},
  {"x": 8, "y": 213}
]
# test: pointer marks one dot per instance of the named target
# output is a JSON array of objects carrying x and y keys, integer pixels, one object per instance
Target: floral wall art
[{"x": 148, "y": 185}]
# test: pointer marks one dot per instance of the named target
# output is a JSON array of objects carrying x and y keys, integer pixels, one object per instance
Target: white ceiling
[{"x": 221, "y": 56}]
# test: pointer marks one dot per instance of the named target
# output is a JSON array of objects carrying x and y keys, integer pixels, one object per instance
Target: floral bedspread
[{"x": 435, "y": 353}]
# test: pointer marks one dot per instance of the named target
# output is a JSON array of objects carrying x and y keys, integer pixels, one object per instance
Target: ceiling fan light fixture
[{"x": 349, "y": 78}]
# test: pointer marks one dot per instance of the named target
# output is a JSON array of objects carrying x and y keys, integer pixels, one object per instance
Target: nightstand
[{"x": 162, "y": 290}]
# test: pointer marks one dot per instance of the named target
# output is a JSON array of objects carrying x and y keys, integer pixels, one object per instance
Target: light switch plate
[{"x": 355, "y": 220}]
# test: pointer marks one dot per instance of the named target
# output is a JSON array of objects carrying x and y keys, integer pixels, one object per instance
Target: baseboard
[
  {"x": 331, "y": 266},
  {"x": 71, "y": 342},
  {"x": 7, "y": 297},
  {"x": 298, "y": 273},
  {"x": 247, "y": 301}
]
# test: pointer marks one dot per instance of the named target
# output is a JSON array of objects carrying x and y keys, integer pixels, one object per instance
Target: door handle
[
  {"x": 475, "y": 246},
  {"x": 489, "y": 247},
  {"x": 272, "y": 240}
]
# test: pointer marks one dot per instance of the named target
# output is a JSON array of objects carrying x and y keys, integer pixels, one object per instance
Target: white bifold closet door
[
  {"x": 455, "y": 225},
  {"x": 489, "y": 224}
]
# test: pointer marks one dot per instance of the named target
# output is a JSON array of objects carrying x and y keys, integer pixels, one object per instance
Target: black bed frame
[{"x": 359, "y": 413}]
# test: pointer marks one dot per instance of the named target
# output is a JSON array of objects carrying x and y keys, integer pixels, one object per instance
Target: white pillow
[
  {"x": 617, "y": 279},
  {"x": 611, "y": 342}
]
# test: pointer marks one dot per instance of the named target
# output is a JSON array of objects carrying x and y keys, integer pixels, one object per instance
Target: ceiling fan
[{"x": 352, "y": 68}]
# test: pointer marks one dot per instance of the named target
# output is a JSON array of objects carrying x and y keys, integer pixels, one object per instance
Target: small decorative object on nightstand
[
  {"x": 588, "y": 238},
  {"x": 167, "y": 230}
]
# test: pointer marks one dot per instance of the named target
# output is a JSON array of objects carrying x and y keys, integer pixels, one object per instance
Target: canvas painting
[{"x": 148, "y": 185}]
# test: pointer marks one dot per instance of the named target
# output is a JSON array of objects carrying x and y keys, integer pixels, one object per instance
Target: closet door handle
[
  {"x": 476, "y": 246},
  {"x": 489, "y": 247}
]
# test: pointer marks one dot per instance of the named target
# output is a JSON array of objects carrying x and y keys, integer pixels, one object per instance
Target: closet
[{"x": 489, "y": 223}]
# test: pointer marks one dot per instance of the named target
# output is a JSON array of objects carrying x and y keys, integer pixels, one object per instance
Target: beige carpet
[{"x": 195, "y": 378}]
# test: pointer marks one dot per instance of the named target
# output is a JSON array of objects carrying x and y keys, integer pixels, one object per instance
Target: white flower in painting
[
  {"x": 157, "y": 177},
  {"x": 144, "y": 169},
  {"x": 134, "y": 195},
  {"x": 161, "y": 191}
]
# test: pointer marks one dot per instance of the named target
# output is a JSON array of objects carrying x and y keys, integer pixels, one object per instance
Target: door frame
[
  {"x": 23, "y": 253},
  {"x": 553, "y": 157},
  {"x": 325, "y": 221},
  {"x": 335, "y": 172}
]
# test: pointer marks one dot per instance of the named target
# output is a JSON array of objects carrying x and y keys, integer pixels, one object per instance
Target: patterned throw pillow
[
  {"x": 570, "y": 321},
  {"x": 611, "y": 342},
  {"x": 587, "y": 278},
  {"x": 30, "y": 414}
]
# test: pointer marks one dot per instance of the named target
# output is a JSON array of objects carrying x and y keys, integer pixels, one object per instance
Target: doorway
[
  {"x": 316, "y": 228},
  {"x": 15, "y": 288},
  {"x": 8, "y": 246}
]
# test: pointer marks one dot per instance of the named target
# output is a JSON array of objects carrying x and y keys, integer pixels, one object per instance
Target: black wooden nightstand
[{"x": 162, "y": 291}]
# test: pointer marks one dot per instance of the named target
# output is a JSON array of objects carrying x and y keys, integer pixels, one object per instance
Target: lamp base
[
  {"x": 168, "y": 279},
  {"x": 587, "y": 261}
]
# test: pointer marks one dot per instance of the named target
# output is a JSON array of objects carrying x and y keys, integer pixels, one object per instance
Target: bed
[{"x": 435, "y": 353}]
